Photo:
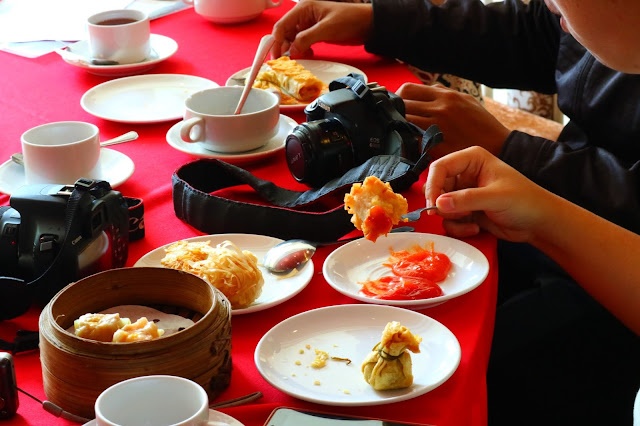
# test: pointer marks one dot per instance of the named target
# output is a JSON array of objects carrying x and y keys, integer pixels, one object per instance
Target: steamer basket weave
[{"x": 75, "y": 370}]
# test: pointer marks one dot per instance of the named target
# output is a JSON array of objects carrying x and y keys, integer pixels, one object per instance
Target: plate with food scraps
[
  {"x": 362, "y": 260},
  {"x": 348, "y": 333},
  {"x": 325, "y": 70},
  {"x": 149, "y": 98},
  {"x": 276, "y": 289}
]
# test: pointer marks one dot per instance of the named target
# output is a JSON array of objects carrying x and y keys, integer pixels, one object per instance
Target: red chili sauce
[
  {"x": 377, "y": 223},
  {"x": 416, "y": 274}
]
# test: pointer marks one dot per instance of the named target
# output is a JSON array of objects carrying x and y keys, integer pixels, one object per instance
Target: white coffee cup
[
  {"x": 231, "y": 11},
  {"x": 210, "y": 120},
  {"x": 61, "y": 152},
  {"x": 153, "y": 400},
  {"x": 121, "y": 35}
]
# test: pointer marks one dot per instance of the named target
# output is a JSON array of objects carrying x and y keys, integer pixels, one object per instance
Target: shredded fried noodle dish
[{"x": 233, "y": 271}]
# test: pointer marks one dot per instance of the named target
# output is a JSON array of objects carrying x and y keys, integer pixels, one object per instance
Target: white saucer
[
  {"x": 115, "y": 168},
  {"x": 214, "y": 416},
  {"x": 78, "y": 55},
  {"x": 149, "y": 98},
  {"x": 275, "y": 144}
]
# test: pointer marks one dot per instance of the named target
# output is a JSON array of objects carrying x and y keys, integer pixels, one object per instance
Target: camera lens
[{"x": 319, "y": 151}]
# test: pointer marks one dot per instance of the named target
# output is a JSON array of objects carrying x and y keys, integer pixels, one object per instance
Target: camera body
[
  {"x": 351, "y": 123},
  {"x": 33, "y": 229},
  {"x": 8, "y": 387}
]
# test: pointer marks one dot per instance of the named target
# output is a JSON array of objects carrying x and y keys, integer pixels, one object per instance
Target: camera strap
[{"x": 201, "y": 189}]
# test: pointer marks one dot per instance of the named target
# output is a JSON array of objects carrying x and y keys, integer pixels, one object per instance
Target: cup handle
[
  {"x": 190, "y": 124},
  {"x": 270, "y": 3},
  {"x": 188, "y": 2}
]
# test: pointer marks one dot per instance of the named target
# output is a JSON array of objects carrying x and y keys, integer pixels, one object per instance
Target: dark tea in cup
[{"x": 117, "y": 21}]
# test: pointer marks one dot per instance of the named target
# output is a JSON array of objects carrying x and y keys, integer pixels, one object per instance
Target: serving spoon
[
  {"x": 292, "y": 254},
  {"x": 263, "y": 50}
]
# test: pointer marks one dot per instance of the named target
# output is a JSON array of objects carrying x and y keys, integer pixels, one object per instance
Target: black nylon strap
[{"x": 316, "y": 214}]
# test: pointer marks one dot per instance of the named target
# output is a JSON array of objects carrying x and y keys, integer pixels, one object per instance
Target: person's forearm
[
  {"x": 602, "y": 257},
  {"x": 591, "y": 177}
]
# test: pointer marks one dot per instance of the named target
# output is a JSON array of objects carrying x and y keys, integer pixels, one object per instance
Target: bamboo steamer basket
[{"x": 75, "y": 370}]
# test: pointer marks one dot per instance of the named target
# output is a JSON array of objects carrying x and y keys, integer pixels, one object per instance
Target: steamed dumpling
[{"x": 100, "y": 327}]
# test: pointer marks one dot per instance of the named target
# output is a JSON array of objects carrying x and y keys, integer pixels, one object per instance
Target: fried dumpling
[
  {"x": 388, "y": 366},
  {"x": 375, "y": 207}
]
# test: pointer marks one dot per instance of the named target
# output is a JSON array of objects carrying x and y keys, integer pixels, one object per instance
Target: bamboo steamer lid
[{"x": 75, "y": 370}]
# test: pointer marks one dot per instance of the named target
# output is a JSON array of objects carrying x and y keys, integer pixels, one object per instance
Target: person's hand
[
  {"x": 475, "y": 190},
  {"x": 463, "y": 120},
  {"x": 310, "y": 22}
]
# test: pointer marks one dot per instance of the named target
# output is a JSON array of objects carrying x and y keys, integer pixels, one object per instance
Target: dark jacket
[{"x": 596, "y": 162}]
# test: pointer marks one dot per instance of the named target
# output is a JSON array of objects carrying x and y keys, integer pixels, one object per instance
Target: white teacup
[
  {"x": 153, "y": 400},
  {"x": 61, "y": 152},
  {"x": 209, "y": 119},
  {"x": 231, "y": 11},
  {"x": 121, "y": 35}
]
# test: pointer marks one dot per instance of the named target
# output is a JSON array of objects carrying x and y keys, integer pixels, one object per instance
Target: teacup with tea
[{"x": 119, "y": 36}]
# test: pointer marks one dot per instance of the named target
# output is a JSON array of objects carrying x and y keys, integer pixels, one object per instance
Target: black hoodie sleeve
[
  {"x": 506, "y": 44},
  {"x": 588, "y": 176}
]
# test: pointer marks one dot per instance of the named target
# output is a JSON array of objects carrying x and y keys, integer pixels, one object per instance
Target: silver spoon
[
  {"x": 127, "y": 137},
  {"x": 291, "y": 254},
  {"x": 415, "y": 215},
  {"x": 263, "y": 50}
]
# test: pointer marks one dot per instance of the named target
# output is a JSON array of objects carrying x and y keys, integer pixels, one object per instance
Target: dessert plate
[
  {"x": 151, "y": 98},
  {"x": 362, "y": 260},
  {"x": 78, "y": 55},
  {"x": 115, "y": 168},
  {"x": 214, "y": 416},
  {"x": 325, "y": 70},
  {"x": 276, "y": 289},
  {"x": 275, "y": 144},
  {"x": 285, "y": 352}
]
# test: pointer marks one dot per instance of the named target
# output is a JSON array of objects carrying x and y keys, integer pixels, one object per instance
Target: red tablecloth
[{"x": 46, "y": 89}]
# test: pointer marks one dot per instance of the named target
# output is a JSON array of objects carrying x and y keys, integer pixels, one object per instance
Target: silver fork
[{"x": 415, "y": 215}]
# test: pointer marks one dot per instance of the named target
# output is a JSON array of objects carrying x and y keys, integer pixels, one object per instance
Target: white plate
[
  {"x": 151, "y": 98},
  {"x": 275, "y": 144},
  {"x": 361, "y": 260},
  {"x": 214, "y": 416},
  {"x": 115, "y": 168},
  {"x": 276, "y": 289},
  {"x": 79, "y": 56},
  {"x": 350, "y": 331},
  {"x": 324, "y": 70}
]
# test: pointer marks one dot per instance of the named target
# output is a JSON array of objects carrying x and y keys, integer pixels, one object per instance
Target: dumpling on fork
[{"x": 375, "y": 207}]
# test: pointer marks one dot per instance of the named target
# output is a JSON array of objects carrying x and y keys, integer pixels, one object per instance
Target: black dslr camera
[
  {"x": 346, "y": 127},
  {"x": 52, "y": 235}
]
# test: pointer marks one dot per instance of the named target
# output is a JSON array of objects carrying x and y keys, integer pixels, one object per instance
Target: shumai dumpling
[
  {"x": 388, "y": 366},
  {"x": 140, "y": 330},
  {"x": 100, "y": 327}
]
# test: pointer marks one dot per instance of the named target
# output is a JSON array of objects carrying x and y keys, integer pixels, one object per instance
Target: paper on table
[
  {"x": 27, "y": 34},
  {"x": 35, "y": 20}
]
